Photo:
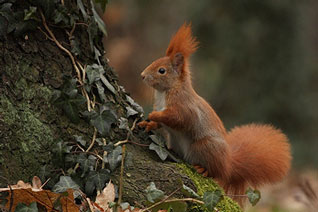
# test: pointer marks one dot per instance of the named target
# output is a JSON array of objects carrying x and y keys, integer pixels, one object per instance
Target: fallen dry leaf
[
  {"x": 44, "y": 198},
  {"x": 106, "y": 196}
]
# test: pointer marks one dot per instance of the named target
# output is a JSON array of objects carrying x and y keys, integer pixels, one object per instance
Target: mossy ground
[{"x": 204, "y": 184}]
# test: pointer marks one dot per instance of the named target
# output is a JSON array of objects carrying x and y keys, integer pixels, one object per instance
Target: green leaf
[
  {"x": 189, "y": 192},
  {"x": 134, "y": 104},
  {"x": 65, "y": 183},
  {"x": 161, "y": 151},
  {"x": 130, "y": 111},
  {"x": 79, "y": 139},
  {"x": 82, "y": 9},
  {"x": 153, "y": 194},
  {"x": 87, "y": 163},
  {"x": 158, "y": 139},
  {"x": 75, "y": 48},
  {"x": 103, "y": 121},
  {"x": 253, "y": 196},
  {"x": 21, "y": 207},
  {"x": 114, "y": 158},
  {"x": 107, "y": 84},
  {"x": 96, "y": 180},
  {"x": 101, "y": 91},
  {"x": 123, "y": 123},
  {"x": 92, "y": 34},
  {"x": 211, "y": 199},
  {"x": 93, "y": 72},
  {"x": 29, "y": 14},
  {"x": 69, "y": 99},
  {"x": 98, "y": 20}
]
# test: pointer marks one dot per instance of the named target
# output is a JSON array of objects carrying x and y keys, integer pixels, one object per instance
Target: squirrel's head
[{"x": 169, "y": 71}]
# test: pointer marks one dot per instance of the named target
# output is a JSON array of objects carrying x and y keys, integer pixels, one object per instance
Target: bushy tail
[{"x": 260, "y": 154}]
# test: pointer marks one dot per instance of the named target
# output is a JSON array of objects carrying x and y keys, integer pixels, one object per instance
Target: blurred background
[{"x": 257, "y": 62}]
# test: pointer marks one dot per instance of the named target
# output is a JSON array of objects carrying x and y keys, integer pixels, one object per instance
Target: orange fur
[
  {"x": 250, "y": 155},
  {"x": 182, "y": 42}
]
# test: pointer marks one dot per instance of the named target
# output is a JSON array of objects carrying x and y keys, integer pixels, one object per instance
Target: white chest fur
[{"x": 160, "y": 101}]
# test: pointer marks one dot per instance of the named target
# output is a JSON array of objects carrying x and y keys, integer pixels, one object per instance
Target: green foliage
[
  {"x": 102, "y": 3},
  {"x": 65, "y": 183},
  {"x": 21, "y": 207},
  {"x": 96, "y": 180},
  {"x": 211, "y": 199},
  {"x": 158, "y": 145},
  {"x": 17, "y": 22},
  {"x": 253, "y": 196},
  {"x": 100, "y": 23},
  {"x": 114, "y": 158},
  {"x": 69, "y": 100},
  {"x": 153, "y": 194}
]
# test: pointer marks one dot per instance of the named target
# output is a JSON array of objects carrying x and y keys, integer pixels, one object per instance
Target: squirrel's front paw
[
  {"x": 151, "y": 125},
  {"x": 155, "y": 116}
]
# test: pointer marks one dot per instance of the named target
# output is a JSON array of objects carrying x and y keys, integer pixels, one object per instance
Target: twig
[
  {"x": 90, "y": 153},
  {"x": 120, "y": 193},
  {"x": 45, "y": 183},
  {"x": 93, "y": 140},
  {"x": 128, "y": 134},
  {"x": 61, "y": 47}
]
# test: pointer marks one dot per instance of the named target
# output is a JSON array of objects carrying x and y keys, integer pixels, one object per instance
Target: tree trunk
[{"x": 35, "y": 72}]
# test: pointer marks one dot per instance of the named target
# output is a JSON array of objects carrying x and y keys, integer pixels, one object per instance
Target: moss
[{"x": 204, "y": 184}]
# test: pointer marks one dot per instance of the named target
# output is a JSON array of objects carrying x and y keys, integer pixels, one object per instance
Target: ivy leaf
[
  {"x": 130, "y": 111},
  {"x": 153, "y": 194},
  {"x": 161, "y": 151},
  {"x": 21, "y": 207},
  {"x": 75, "y": 48},
  {"x": 86, "y": 163},
  {"x": 79, "y": 139},
  {"x": 82, "y": 9},
  {"x": 158, "y": 139},
  {"x": 123, "y": 123},
  {"x": 114, "y": 158},
  {"x": 96, "y": 180},
  {"x": 253, "y": 196},
  {"x": 98, "y": 20},
  {"x": 92, "y": 33},
  {"x": 65, "y": 183},
  {"x": 103, "y": 121},
  {"x": 101, "y": 92},
  {"x": 93, "y": 72},
  {"x": 69, "y": 99},
  {"x": 189, "y": 192},
  {"x": 134, "y": 104},
  {"x": 107, "y": 84},
  {"x": 29, "y": 14},
  {"x": 211, "y": 199}
]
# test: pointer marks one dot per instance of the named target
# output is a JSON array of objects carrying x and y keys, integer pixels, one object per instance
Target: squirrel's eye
[{"x": 162, "y": 70}]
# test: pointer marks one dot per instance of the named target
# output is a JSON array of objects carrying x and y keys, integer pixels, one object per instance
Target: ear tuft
[
  {"x": 178, "y": 62},
  {"x": 182, "y": 42}
]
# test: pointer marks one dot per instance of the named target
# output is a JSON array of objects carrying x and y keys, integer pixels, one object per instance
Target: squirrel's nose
[{"x": 142, "y": 76}]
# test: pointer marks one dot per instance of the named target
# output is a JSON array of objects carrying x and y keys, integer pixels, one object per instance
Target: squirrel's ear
[{"x": 178, "y": 62}]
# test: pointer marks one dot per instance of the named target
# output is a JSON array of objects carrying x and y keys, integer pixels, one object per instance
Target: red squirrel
[{"x": 249, "y": 155}]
